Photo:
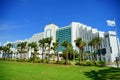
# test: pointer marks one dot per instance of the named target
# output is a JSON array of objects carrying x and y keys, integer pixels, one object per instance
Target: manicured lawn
[{"x": 39, "y": 71}]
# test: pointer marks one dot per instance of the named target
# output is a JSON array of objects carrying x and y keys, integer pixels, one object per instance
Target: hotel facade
[{"x": 109, "y": 45}]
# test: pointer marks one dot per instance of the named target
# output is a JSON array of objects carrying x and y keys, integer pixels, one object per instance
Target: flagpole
[{"x": 116, "y": 37}]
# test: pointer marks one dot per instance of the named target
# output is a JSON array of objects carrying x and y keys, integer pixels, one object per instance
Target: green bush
[
  {"x": 69, "y": 63},
  {"x": 102, "y": 63},
  {"x": 46, "y": 61},
  {"x": 96, "y": 63},
  {"x": 83, "y": 63},
  {"x": 12, "y": 59},
  {"x": 89, "y": 63},
  {"x": 62, "y": 62},
  {"x": 77, "y": 63},
  {"x": 28, "y": 60},
  {"x": 2, "y": 59}
]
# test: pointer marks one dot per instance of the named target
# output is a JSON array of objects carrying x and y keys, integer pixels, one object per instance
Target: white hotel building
[{"x": 109, "y": 45}]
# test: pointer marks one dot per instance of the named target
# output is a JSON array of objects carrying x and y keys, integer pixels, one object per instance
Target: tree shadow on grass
[{"x": 104, "y": 74}]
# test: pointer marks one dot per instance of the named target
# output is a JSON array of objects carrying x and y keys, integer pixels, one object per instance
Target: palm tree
[
  {"x": 48, "y": 41},
  {"x": 19, "y": 50},
  {"x": 98, "y": 44},
  {"x": 90, "y": 44},
  {"x": 22, "y": 48},
  {"x": 9, "y": 45},
  {"x": 55, "y": 47},
  {"x": 66, "y": 45},
  {"x": 42, "y": 45},
  {"x": 80, "y": 44},
  {"x": 1, "y": 48},
  {"x": 5, "y": 51},
  {"x": 95, "y": 43},
  {"x": 35, "y": 47},
  {"x": 71, "y": 52}
]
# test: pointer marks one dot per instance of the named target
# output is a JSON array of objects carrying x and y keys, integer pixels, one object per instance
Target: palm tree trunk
[
  {"x": 21, "y": 56},
  {"x": 54, "y": 56},
  {"x": 100, "y": 57},
  {"x": 49, "y": 55},
  {"x": 66, "y": 61},
  {"x": 79, "y": 56},
  {"x": 100, "y": 54},
  {"x": 42, "y": 55},
  {"x": 91, "y": 55},
  {"x": 57, "y": 57},
  {"x": 4, "y": 55},
  {"x": 8, "y": 56},
  {"x": 82, "y": 55},
  {"x": 24, "y": 56},
  {"x": 95, "y": 54},
  {"x": 11, "y": 56},
  {"x": 34, "y": 57}
]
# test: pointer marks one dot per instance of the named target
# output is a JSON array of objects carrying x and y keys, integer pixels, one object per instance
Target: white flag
[{"x": 110, "y": 23}]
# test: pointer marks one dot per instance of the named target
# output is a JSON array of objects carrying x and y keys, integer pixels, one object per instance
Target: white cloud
[{"x": 4, "y": 27}]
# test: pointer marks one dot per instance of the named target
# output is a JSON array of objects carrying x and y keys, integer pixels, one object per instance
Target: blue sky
[{"x": 20, "y": 19}]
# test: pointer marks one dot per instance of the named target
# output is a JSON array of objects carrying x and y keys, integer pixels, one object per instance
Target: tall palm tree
[
  {"x": 9, "y": 45},
  {"x": 48, "y": 41},
  {"x": 96, "y": 43},
  {"x": 71, "y": 52},
  {"x": 42, "y": 45},
  {"x": 93, "y": 43},
  {"x": 1, "y": 48},
  {"x": 55, "y": 47},
  {"x": 80, "y": 44},
  {"x": 22, "y": 48},
  {"x": 35, "y": 47},
  {"x": 90, "y": 44},
  {"x": 19, "y": 50},
  {"x": 66, "y": 45},
  {"x": 5, "y": 51}
]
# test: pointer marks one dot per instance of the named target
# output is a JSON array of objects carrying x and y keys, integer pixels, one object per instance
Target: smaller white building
[{"x": 112, "y": 46}]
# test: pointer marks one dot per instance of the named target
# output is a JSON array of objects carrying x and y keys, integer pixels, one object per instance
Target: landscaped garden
[
  {"x": 72, "y": 65},
  {"x": 41, "y": 71}
]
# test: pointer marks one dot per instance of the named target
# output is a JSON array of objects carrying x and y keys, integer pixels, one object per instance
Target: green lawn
[{"x": 39, "y": 71}]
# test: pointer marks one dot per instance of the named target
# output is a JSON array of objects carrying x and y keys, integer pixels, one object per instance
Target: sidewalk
[{"x": 113, "y": 65}]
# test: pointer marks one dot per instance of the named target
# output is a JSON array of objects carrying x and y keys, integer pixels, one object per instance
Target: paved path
[{"x": 113, "y": 65}]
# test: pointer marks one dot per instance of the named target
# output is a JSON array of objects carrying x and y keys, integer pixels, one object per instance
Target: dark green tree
[
  {"x": 80, "y": 44},
  {"x": 66, "y": 45},
  {"x": 54, "y": 48},
  {"x": 42, "y": 45},
  {"x": 48, "y": 41},
  {"x": 22, "y": 49},
  {"x": 34, "y": 46}
]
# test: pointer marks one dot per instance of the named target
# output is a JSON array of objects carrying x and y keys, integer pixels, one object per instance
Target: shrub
[
  {"x": 89, "y": 63},
  {"x": 2, "y": 59},
  {"x": 77, "y": 63},
  {"x": 46, "y": 61},
  {"x": 83, "y": 63},
  {"x": 28, "y": 60},
  {"x": 96, "y": 63},
  {"x": 86, "y": 63},
  {"x": 62, "y": 62},
  {"x": 102, "y": 63}
]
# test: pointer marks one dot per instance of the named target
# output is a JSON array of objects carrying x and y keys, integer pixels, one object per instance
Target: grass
[{"x": 39, "y": 71}]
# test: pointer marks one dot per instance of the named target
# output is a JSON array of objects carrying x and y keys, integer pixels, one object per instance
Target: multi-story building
[{"x": 109, "y": 45}]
